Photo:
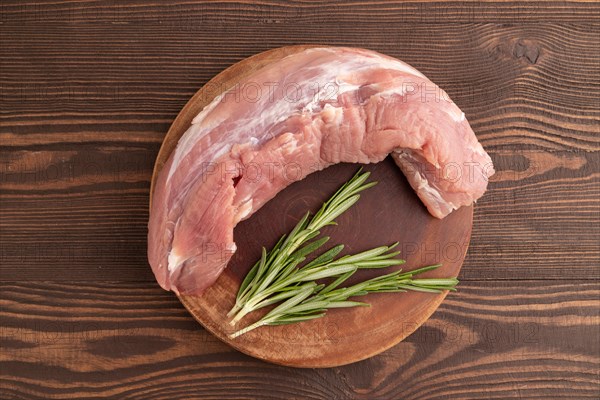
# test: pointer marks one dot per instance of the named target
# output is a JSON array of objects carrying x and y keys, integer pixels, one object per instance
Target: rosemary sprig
[
  {"x": 311, "y": 301},
  {"x": 291, "y": 250},
  {"x": 322, "y": 267}
]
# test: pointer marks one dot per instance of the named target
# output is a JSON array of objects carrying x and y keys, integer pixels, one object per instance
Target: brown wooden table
[{"x": 88, "y": 90}]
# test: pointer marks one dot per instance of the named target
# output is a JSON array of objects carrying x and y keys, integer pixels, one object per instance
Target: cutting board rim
[{"x": 228, "y": 78}]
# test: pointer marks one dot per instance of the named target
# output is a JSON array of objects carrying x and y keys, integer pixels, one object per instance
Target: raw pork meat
[{"x": 310, "y": 110}]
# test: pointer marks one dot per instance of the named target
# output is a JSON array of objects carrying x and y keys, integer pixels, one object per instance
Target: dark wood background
[{"x": 88, "y": 90}]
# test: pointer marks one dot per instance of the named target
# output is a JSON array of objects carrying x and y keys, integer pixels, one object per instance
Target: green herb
[
  {"x": 276, "y": 265},
  {"x": 311, "y": 301},
  {"x": 324, "y": 266}
]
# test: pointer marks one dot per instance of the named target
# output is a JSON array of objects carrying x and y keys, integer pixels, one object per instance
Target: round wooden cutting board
[{"x": 387, "y": 213}]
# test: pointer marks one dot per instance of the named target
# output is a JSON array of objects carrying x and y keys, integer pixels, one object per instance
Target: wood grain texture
[
  {"x": 525, "y": 339},
  {"x": 88, "y": 90}
]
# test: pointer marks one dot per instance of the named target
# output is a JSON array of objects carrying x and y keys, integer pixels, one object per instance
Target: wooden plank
[
  {"x": 539, "y": 217},
  {"x": 525, "y": 85},
  {"x": 279, "y": 12},
  {"x": 527, "y": 339}
]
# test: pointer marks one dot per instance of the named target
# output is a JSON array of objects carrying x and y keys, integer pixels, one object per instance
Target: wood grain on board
[{"x": 88, "y": 90}]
